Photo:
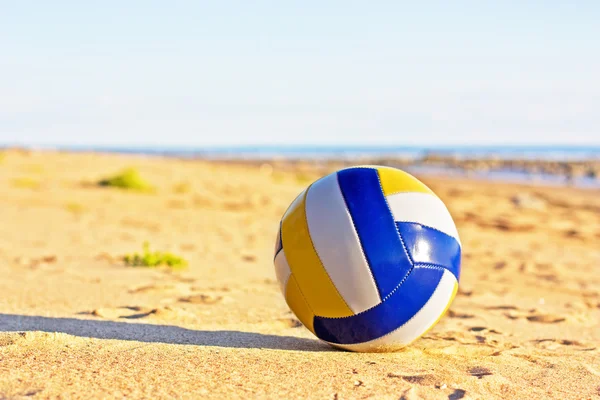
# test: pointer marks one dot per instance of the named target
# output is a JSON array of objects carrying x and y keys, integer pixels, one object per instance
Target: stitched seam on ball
[
  {"x": 426, "y": 226},
  {"x": 362, "y": 251},
  {"x": 432, "y": 266},
  {"x": 405, "y": 250},
  {"x": 412, "y": 191},
  {"x": 359, "y": 167},
  {"x": 301, "y": 293},
  {"x": 378, "y": 338},
  {"x": 417, "y": 265},
  {"x": 400, "y": 284},
  {"x": 404, "y": 324},
  {"x": 389, "y": 333},
  {"x": 292, "y": 276},
  {"x": 382, "y": 301},
  {"x": 317, "y": 253},
  {"x": 392, "y": 215}
]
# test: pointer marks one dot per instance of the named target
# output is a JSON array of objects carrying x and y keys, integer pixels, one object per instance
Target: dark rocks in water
[{"x": 567, "y": 170}]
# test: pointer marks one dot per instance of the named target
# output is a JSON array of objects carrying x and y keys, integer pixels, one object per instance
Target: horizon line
[{"x": 357, "y": 146}]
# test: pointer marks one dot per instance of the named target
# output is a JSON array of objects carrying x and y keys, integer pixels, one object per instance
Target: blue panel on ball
[
  {"x": 429, "y": 246},
  {"x": 375, "y": 226},
  {"x": 386, "y": 317}
]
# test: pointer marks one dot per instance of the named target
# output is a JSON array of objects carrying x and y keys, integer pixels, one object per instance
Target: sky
[{"x": 200, "y": 73}]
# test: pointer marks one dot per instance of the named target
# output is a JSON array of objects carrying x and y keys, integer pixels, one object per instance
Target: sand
[{"x": 75, "y": 322}]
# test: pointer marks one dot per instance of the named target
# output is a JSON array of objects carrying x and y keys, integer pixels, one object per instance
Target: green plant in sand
[
  {"x": 26, "y": 183},
  {"x": 75, "y": 208},
  {"x": 182, "y": 188},
  {"x": 152, "y": 259},
  {"x": 129, "y": 179}
]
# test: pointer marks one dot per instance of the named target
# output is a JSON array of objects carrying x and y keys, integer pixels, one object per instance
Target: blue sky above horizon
[{"x": 223, "y": 73}]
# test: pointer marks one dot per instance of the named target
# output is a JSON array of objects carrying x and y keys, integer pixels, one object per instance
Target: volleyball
[{"x": 368, "y": 258}]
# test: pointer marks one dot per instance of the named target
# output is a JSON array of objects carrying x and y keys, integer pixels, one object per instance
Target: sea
[
  {"x": 349, "y": 153},
  {"x": 558, "y": 153}
]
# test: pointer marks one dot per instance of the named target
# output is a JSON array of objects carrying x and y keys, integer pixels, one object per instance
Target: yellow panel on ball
[
  {"x": 397, "y": 181},
  {"x": 296, "y": 301},
  {"x": 318, "y": 289}
]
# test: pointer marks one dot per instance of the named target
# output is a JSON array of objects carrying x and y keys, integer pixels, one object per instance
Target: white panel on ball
[{"x": 338, "y": 246}]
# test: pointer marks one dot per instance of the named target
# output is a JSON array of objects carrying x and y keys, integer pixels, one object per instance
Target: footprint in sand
[
  {"x": 180, "y": 285},
  {"x": 465, "y": 292},
  {"x": 555, "y": 344},
  {"x": 480, "y": 372},
  {"x": 153, "y": 288},
  {"x": 545, "y": 318},
  {"x": 201, "y": 299},
  {"x": 501, "y": 308},
  {"x": 423, "y": 380},
  {"x": 484, "y": 329},
  {"x": 489, "y": 342},
  {"x": 135, "y": 312},
  {"x": 211, "y": 289},
  {"x": 119, "y": 312},
  {"x": 36, "y": 262},
  {"x": 457, "y": 394},
  {"x": 290, "y": 322},
  {"x": 508, "y": 226},
  {"x": 531, "y": 315},
  {"x": 177, "y": 293},
  {"x": 453, "y": 336},
  {"x": 456, "y": 314}
]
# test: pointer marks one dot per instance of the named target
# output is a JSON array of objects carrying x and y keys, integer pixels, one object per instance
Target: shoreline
[
  {"x": 563, "y": 174},
  {"x": 578, "y": 173}
]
